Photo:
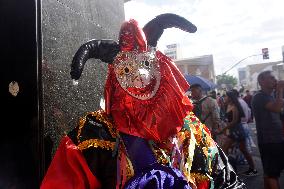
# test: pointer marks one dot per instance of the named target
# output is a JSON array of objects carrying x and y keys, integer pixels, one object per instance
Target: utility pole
[{"x": 241, "y": 61}]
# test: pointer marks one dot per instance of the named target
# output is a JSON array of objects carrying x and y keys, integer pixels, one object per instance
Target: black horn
[
  {"x": 105, "y": 50},
  {"x": 155, "y": 28}
]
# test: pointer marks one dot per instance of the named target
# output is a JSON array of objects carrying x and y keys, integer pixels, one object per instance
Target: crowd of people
[{"x": 228, "y": 116}]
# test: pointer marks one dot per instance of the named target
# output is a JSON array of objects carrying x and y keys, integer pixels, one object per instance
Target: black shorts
[
  {"x": 272, "y": 158},
  {"x": 237, "y": 133}
]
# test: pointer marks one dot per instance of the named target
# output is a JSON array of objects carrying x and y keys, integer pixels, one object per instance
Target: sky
[{"x": 230, "y": 30}]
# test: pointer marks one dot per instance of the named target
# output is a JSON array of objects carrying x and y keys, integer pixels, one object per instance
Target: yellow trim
[
  {"x": 99, "y": 115},
  {"x": 198, "y": 177},
  {"x": 81, "y": 125},
  {"x": 96, "y": 144}
]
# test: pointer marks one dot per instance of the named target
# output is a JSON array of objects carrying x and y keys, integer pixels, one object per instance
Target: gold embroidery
[
  {"x": 160, "y": 155},
  {"x": 126, "y": 170},
  {"x": 81, "y": 125},
  {"x": 203, "y": 139},
  {"x": 129, "y": 168},
  {"x": 96, "y": 143},
  {"x": 99, "y": 115},
  {"x": 198, "y": 177}
]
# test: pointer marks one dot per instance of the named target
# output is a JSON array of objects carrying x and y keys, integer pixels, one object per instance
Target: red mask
[{"x": 145, "y": 91}]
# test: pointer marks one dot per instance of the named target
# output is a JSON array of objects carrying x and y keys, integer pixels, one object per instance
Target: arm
[
  {"x": 215, "y": 115},
  {"x": 234, "y": 120},
  {"x": 277, "y": 104},
  {"x": 246, "y": 110}
]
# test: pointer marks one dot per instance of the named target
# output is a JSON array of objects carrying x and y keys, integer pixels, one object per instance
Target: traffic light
[{"x": 265, "y": 53}]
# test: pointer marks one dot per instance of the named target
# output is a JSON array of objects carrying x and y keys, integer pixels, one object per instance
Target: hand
[
  {"x": 279, "y": 90},
  {"x": 280, "y": 84}
]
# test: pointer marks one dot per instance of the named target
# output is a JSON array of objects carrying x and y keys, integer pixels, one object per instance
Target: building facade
[
  {"x": 242, "y": 76},
  {"x": 248, "y": 75},
  {"x": 173, "y": 51},
  {"x": 202, "y": 66}
]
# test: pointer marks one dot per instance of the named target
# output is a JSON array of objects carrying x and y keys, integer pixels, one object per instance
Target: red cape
[{"x": 69, "y": 169}]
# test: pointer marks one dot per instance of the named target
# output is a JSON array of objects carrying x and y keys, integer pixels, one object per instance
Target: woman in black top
[{"x": 234, "y": 112}]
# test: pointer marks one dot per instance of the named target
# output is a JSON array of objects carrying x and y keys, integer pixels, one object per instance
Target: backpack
[{"x": 197, "y": 109}]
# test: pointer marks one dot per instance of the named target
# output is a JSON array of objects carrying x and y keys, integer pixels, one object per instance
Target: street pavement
[{"x": 255, "y": 182}]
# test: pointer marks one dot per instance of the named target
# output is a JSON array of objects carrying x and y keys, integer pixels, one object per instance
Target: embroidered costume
[{"x": 147, "y": 137}]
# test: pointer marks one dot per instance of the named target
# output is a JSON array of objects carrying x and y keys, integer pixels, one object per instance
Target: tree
[{"x": 228, "y": 80}]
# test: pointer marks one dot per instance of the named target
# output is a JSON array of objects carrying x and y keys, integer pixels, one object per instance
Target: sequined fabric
[
  {"x": 158, "y": 177},
  {"x": 156, "y": 118},
  {"x": 132, "y": 37}
]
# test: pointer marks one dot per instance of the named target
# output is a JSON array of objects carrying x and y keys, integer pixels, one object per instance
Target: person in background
[
  {"x": 244, "y": 106},
  {"x": 222, "y": 106},
  {"x": 245, "y": 119},
  {"x": 213, "y": 94},
  {"x": 205, "y": 108},
  {"x": 266, "y": 108},
  {"x": 234, "y": 113},
  {"x": 248, "y": 99},
  {"x": 218, "y": 98}
]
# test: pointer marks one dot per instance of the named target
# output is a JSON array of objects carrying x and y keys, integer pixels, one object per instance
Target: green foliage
[{"x": 229, "y": 80}]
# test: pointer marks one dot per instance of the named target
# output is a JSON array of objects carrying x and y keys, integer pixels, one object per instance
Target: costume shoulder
[
  {"x": 84, "y": 158},
  {"x": 94, "y": 130}
]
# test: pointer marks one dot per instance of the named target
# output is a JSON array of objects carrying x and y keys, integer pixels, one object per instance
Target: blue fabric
[
  {"x": 205, "y": 84},
  {"x": 138, "y": 151},
  {"x": 148, "y": 173},
  {"x": 158, "y": 177}
]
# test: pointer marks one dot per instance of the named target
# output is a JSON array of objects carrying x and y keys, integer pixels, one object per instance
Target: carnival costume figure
[{"x": 147, "y": 136}]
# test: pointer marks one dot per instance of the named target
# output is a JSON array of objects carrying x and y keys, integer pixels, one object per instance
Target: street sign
[{"x": 265, "y": 53}]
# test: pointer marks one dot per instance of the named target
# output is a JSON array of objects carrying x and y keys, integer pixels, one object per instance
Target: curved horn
[
  {"x": 155, "y": 28},
  {"x": 105, "y": 50}
]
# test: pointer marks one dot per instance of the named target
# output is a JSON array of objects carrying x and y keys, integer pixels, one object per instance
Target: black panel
[{"x": 19, "y": 141}]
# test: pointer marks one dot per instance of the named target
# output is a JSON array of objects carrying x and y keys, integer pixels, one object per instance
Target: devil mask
[{"x": 144, "y": 91}]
